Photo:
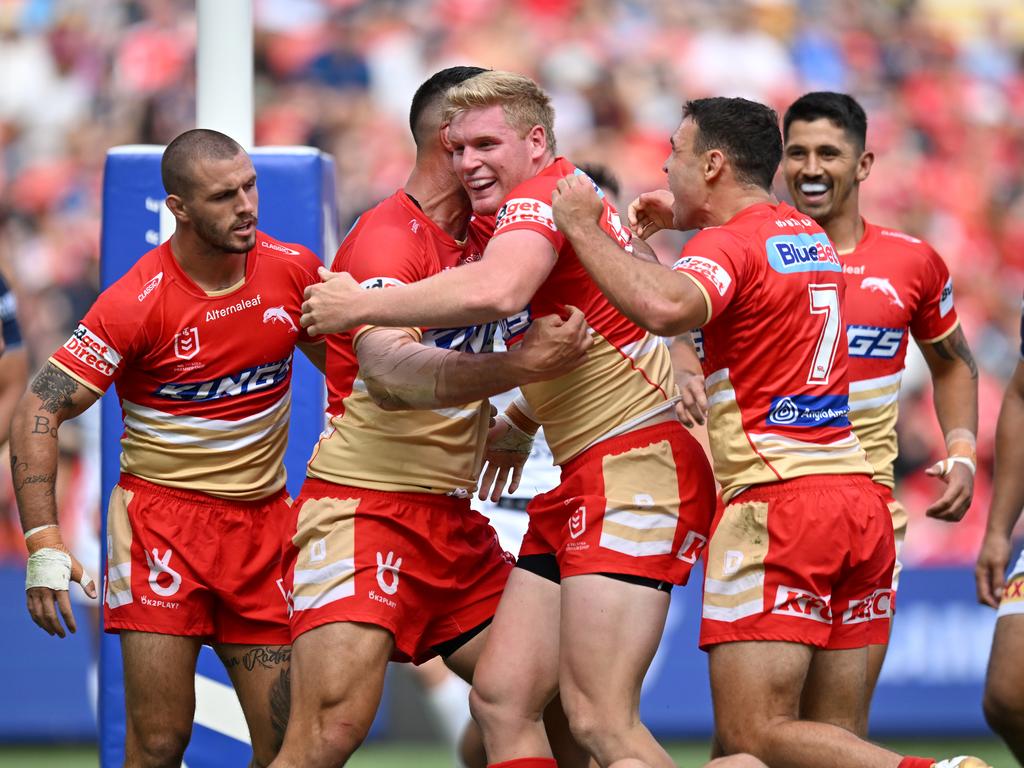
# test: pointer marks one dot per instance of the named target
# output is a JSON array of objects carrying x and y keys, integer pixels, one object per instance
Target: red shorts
[
  {"x": 190, "y": 564},
  {"x": 806, "y": 561},
  {"x": 424, "y": 566},
  {"x": 639, "y": 504}
]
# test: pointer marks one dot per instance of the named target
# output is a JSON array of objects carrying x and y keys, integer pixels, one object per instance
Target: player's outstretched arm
[
  {"x": 53, "y": 397},
  {"x": 513, "y": 266},
  {"x": 955, "y": 384},
  {"x": 652, "y": 296},
  {"x": 1007, "y": 493},
  {"x": 693, "y": 407},
  {"x": 400, "y": 373}
]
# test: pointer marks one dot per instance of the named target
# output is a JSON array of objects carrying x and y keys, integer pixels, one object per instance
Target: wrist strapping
[
  {"x": 514, "y": 440},
  {"x": 33, "y": 531},
  {"x": 945, "y": 466},
  {"x": 48, "y": 568}
]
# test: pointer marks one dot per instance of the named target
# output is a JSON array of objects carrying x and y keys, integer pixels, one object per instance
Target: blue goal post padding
[{"x": 296, "y": 204}]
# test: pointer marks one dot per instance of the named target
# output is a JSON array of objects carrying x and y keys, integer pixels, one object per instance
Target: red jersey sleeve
[
  {"x": 528, "y": 207},
  {"x": 103, "y": 344},
  {"x": 711, "y": 259},
  {"x": 383, "y": 256},
  {"x": 935, "y": 315}
]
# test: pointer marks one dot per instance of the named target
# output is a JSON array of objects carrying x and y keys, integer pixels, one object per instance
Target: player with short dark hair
[
  {"x": 196, "y": 521},
  {"x": 897, "y": 286},
  {"x": 765, "y": 285}
]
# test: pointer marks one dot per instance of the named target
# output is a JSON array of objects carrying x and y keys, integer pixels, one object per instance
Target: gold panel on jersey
[
  {"x": 325, "y": 536},
  {"x": 642, "y": 491},
  {"x": 119, "y": 549},
  {"x": 613, "y": 386},
  {"x": 734, "y": 583}
]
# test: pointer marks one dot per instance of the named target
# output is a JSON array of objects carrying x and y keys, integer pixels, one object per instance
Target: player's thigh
[
  {"x": 339, "y": 668},
  {"x": 518, "y": 665},
  {"x": 610, "y": 633},
  {"x": 1004, "y": 682},
  {"x": 159, "y": 681},
  {"x": 754, "y": 682},
  {"x": 463, "y": 661},
  {"x": 260, "y": 676},
  {"x": 835, "y": 689}
]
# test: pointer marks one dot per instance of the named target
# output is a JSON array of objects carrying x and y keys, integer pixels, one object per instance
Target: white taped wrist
[
  {"x": 48, "y": 568},
  {"x": 514, "y": 440}
]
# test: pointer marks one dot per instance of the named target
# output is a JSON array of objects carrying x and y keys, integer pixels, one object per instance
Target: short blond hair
[{"x": 524, "y": 103}]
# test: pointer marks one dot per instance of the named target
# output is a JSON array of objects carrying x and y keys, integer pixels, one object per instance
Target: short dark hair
[
  {"x": 182, "y": 153},
  {"x": 747, "y": 132},
  {"x": 840, "y": 108},
  {"x": 432, "y": 93},
  {"x": 603, "y": 176}
]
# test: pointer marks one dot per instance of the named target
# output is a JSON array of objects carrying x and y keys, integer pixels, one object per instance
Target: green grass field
[{"x": 686, "y": 755}]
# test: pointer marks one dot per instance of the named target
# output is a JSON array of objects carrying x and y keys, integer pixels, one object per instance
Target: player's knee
[
  {"x": 158, "y": 747},
  {"x": 485, "y": 707},
  {"x": 1003, "y": 707},
  {"x": 739, "y": 736},
  {"x": 341, "y": 738},
  {"x": 595, "y": 728}
]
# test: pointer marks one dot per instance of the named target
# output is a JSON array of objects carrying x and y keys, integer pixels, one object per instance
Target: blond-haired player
[{"x": 583, "y": 612}]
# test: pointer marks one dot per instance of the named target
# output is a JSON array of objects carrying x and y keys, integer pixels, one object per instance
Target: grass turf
[{"x": 393, "y": 755}]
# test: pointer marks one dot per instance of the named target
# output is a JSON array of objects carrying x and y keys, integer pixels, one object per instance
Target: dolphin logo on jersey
[
  {"x": 278, "y": 315},
  {"x": 883, "y": 286}
]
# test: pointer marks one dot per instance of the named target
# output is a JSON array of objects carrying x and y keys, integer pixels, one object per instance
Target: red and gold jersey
[
  {"x": 895, "y": 283},
  {"x": 203, "y": 378},
  {"x": 774, "y": 360},
  {"x": 627, "y": 376},
  {"x": 433, "y": 451}
]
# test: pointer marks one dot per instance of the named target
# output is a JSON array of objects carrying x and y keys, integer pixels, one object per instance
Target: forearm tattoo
[
  {"x": 955, "y": 346},
  {"x": 55, "y": 388}
]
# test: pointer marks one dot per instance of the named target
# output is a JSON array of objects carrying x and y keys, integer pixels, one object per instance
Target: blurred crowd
[{"x": 942, "y": 82}]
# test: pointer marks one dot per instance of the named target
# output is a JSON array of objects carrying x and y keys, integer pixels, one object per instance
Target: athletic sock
[
  {"x": 449, "y": 703},
  {"x": 531, "y": 762},
  {"x": 916, "y": 762}
]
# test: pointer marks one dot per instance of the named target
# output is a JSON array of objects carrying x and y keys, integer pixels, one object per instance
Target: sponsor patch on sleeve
[
  {"x": 712, "y": 271},
  {"x": 93, "y": 351},
  {"x": 525, "y": 210},
  {"x": 946, "y": 298},
  {"x": 379, "y": 282}
]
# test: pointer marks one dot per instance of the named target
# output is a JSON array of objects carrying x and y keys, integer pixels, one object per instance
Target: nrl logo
[{"x": 186, "y": 343}]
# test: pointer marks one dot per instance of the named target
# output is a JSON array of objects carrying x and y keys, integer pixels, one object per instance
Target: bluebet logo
[
  {"x": 802, "y": 252},
  {"x": 810, "y": 411}
]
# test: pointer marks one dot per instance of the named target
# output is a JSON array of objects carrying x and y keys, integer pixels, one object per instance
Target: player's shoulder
[
  {"x": 287, "y": 256},
  {"x": 529, "y": 202},
  {"x": 899, "y": 243},
  {"x": 390, "y": 222},
  {"x": 144, "y": 281}
]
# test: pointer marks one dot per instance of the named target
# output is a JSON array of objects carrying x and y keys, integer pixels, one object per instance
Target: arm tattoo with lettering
[
  {"x": 55, "y": 388},
  {"x": 955, "y": 346}
]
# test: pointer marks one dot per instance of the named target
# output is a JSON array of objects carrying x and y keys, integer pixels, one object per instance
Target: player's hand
[
  {"x": 955, "y": 501},
  {"x": 48, "y": 574},
  {"x": 508, "y": 448},
  {"x": 575, "y": 201},
  {"x": 553, "y": 346},
  {"x": 331, "y": 306},
  {"x": 651, "y": 212},
  {"x": 990, "y": 570},
  {"x": 693, "y": 407}
]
